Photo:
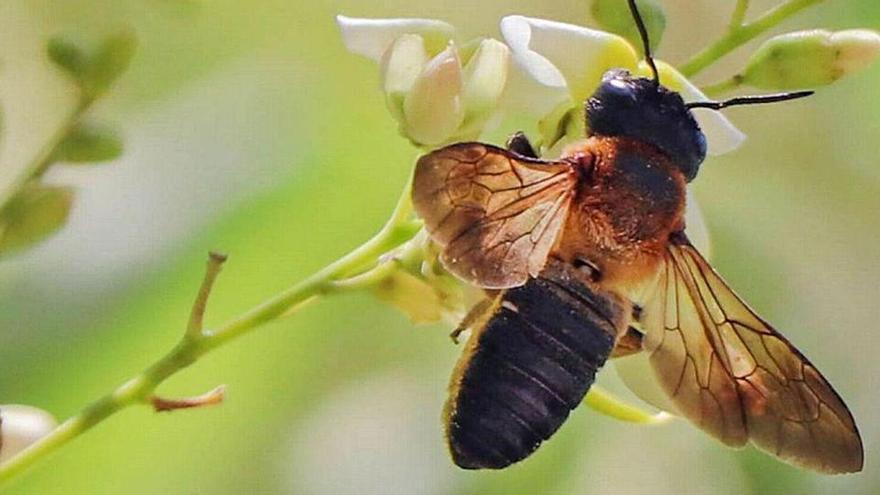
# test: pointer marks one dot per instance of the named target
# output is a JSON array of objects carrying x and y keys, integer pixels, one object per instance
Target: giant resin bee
[{"x": 577, "y": 252}]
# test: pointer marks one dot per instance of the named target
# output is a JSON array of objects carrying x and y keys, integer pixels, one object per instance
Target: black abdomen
[{"x": 527, "y": 366}]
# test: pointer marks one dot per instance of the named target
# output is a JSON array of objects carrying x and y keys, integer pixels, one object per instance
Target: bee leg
[
  {"x": 473, "y": 315},
  {"x": 628, "y": 343},
  {"x": 588, "y": 269},
  {"x": 520, "y": 144}
]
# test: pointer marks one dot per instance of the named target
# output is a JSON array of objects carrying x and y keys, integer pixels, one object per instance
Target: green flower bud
[
  {"x": 614, "y": 16},
  {"x": 810, "y": 58},
  {"x": 35, "y": 213},
  {"x": 21, "y": 426}
]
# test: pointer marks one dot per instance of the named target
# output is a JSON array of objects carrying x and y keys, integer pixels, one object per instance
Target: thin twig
[
  {"x": 197, "y": 315},
  {"x": 739, "y": 14},
  {"x": 139, "y": 389},
  {"x": 738, "y": 36},
  {"x": 45, "y": 157},
  {"x": 210, "y": 398}
]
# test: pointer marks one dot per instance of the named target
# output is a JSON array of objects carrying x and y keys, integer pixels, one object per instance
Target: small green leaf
[
  {"x": 88, "y": 144},
  {"x": 33, "y": 215},
  {"x": 96, "y": 70},
  {"x": 109, "y": 61},
  {"x": 614, "y": 16},
  {"x": 67, "y": 55}
]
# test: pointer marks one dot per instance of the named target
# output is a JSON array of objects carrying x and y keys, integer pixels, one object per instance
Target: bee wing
[
  {"x": 496, "y": 214},
  {"x": 737, "y": 378}
]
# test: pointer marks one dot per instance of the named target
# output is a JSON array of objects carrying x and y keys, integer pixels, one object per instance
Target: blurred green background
[{"x": 250, "y": 130}]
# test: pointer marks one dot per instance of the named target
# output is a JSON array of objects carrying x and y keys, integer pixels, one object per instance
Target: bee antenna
[
  {"x": 749, "y": 100},
  {"x": 643, "y": 32}
]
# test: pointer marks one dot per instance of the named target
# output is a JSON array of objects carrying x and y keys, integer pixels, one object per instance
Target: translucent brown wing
[
  {"x": 732, "y": 374},
  {"x": 496, "y": 214}
]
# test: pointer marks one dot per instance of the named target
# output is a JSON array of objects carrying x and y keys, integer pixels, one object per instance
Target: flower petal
[
  {"x": 695, "y": 226},
  {"x": 371, "y": 37},
  {"x": 536, "y": 85},
  {"x": 557, "y": 54},
  {"x": 433, "y": 109},
  {"x": 400, "y": 66},
  {"x": 637, "y": 374},
  {"x": 485, "y": 77},
  {"x": 721, "y": 134}
]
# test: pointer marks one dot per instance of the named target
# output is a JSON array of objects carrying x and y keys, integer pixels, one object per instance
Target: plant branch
[
  {"x": 604, "y": 402},
  {"x": 740, "y": 34},
  {"x": 45, "y": 156},
  {"x": 739, "y": 14},
  {"x": 194, "y": 344},
  {"x": 196, "y": 318},
  {"x": 210, "y": 398}
]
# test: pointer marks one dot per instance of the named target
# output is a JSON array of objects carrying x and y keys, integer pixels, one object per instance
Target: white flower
[
  {"x": 437, "y": 91},
  {"x": 21, "y": 426},
  {"x": 558, "y": 66},
  {"x": 564, "y": 64}
]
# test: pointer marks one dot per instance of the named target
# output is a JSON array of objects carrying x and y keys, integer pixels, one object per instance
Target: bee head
[{"x": 642, "y": 109}]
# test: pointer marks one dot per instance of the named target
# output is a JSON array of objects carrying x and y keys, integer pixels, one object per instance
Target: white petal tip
[{"x": 371, "y": 37}]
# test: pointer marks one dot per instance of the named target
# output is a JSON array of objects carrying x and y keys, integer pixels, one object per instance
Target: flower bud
[
  {"x": 614, "y": 16},
  {"x": 810, "y": 58},
  {"x": 21, "y": 426},
  {"x": 401, "y": 65},
  {"x": 485, "y": 77},
  {"x": 433, "y": 108},
  {"x": 434, "y": 98}
]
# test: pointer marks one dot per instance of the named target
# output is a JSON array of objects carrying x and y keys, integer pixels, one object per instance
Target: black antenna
[
  {"x": 749, "y": 100},
  {"x": 643, "y": 32}
]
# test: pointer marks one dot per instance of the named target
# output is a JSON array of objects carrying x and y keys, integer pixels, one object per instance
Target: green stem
[
  {"x": 193, "y": 345},
  {"x": 45, "y": 157},
  {"x": 743, "y": 33},
  {"x": 605, "y": 402},
  {"x": 739, "y": 14}
]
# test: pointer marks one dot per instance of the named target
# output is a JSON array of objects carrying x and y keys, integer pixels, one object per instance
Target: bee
[{"x": 584, "y": 258}]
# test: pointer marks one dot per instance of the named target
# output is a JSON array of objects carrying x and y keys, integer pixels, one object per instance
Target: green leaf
[
  {"x": 614, "y": 16},
  {"x": 109, "y": 62},
  {"x": 88, "y": 144},
  {"x": 34, "y": 214},
  {"x": 96, "y": 70},
  {"x": 68, "y": 56}
]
